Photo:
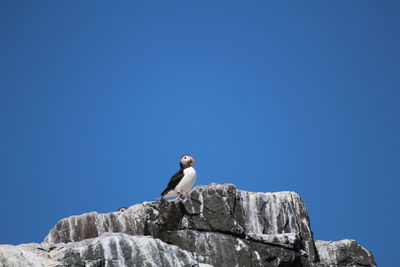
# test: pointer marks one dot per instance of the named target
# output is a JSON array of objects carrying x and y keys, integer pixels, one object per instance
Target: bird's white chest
[{"x": 188, "y": 180}]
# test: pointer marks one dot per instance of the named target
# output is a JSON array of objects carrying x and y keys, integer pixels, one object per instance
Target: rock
[
  {"x": 213, "y": 208},
  {"x": 35, "y": 255},
  {"x": 223, "y": 208},
  {"x": 114, "y": 249},
  {"x": 119, "y": 249},
  {"x": 226, "y": 250},
  {"x": 345, "y": 252},
  {"x": 216, "y": 224},
  {"x": 89, "y": 225}
]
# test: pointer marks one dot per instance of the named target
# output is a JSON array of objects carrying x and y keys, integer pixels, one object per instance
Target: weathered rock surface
[
  {"x": 25, "y": 255},
  {"x": 226, "y": 250},
  {"x": 215, "y": 224},
  {"x": 115, "y": 249},
  {"x": 123, "y": 250},
  {"x": 345, "y": 252}
]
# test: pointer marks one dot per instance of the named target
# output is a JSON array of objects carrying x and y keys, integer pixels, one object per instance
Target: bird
[
  {"x": 122, "y": 209},
  {"x": 183, "y": 180}
]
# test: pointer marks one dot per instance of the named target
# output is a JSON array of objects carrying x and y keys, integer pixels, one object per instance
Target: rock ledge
[{"x": 213, "y": 225}]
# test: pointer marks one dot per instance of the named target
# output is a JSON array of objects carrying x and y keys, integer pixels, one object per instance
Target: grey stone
[
  {"x": 213, "y": 208},
  {"x": 215, "y": 225},
  {"x": 223, "y": 208},
  {"x": 32, "y": 255},
  {"x": 110, "y": 249},
  {"x": 226, "y": 250},
  {"x": 119, "y": 249},
  {"x": 343, "y": 253}
]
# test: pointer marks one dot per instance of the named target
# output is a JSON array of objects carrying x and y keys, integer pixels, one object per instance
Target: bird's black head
[{"x": 187, "y": 161}]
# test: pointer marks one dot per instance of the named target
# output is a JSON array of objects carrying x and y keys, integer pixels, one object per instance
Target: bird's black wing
[{"x": 175, "y": 179}]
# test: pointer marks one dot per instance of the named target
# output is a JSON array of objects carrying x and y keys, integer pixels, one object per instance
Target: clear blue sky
[{"x": 99, "y": 100}]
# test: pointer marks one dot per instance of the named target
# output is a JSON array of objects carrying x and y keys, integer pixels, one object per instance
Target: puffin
[
  {"x": 122, "y": 209},
  {"x": 183, "y": 180}
]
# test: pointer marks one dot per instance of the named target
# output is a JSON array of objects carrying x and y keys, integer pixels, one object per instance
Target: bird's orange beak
[{"x": 192, "y": 160}]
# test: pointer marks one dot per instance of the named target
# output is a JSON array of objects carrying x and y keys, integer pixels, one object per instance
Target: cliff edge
[{"x": 213, "y": 225}]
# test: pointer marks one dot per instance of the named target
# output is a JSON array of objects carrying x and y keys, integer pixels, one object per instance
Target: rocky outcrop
[
  {"x": 345, "y": 252},
  {"x": 216, "y": 224},
  {"x": 115, "y": 249}
]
